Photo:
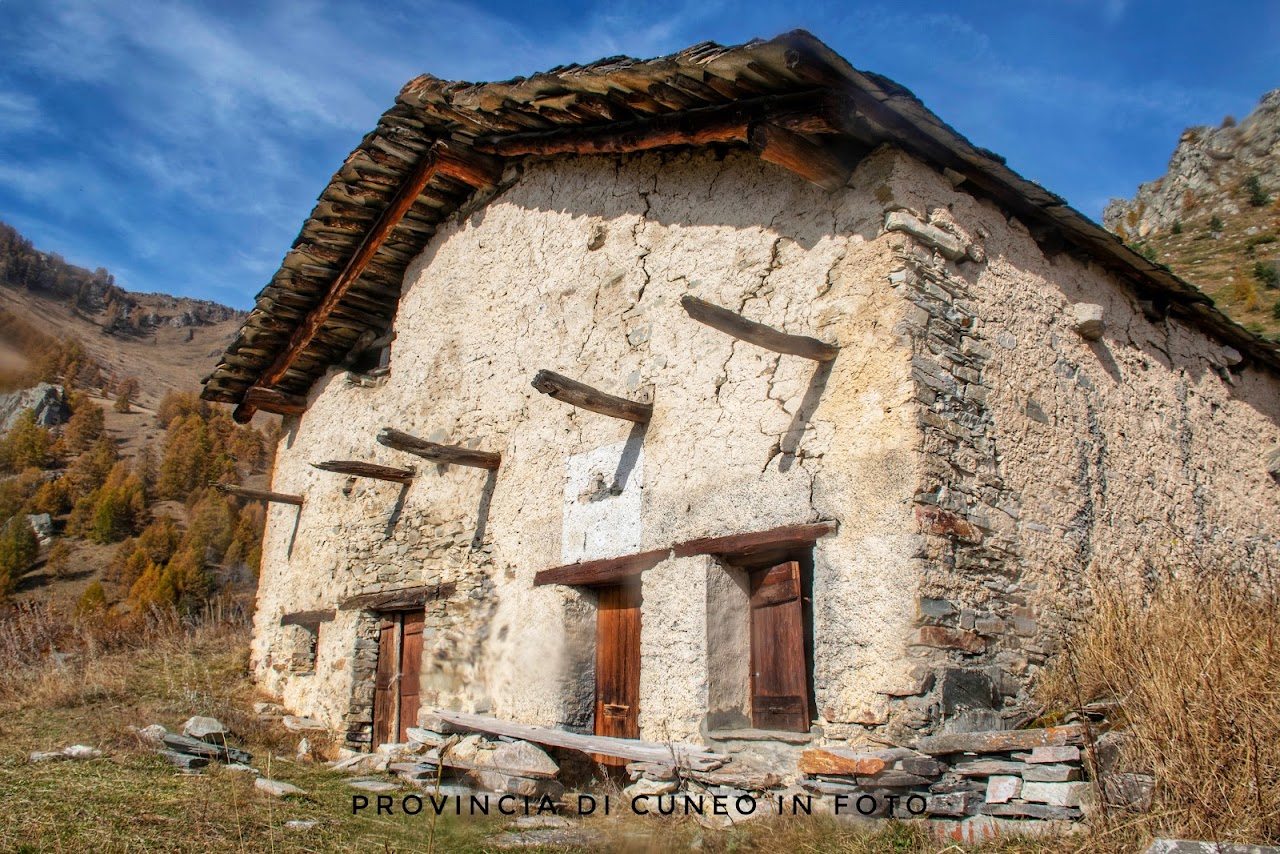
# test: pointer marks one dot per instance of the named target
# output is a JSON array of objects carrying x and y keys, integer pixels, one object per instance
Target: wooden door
[
  {"x": 397, "y": 680},
  {"x": 618, "y": 664},
  {"x": 779, "y": 675},
  {"x": 410, "y": 671}
]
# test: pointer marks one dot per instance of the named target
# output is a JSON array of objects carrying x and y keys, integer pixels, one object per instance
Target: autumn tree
[
  {"x": 18, "y": 548},
  {"x": 86, "y": 426},
  {"x": 26, "y": 445}
]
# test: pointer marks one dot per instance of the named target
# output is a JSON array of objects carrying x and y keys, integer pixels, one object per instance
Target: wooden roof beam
[
  {"x": 436, "y": 453},
  {"x": 474, "y": 170},
  {"x": 584, "y": 396},
  {"x": 354, "y": 468},
  {"x": 258, "y": 494},
  {"x": 758, "y": 334}
]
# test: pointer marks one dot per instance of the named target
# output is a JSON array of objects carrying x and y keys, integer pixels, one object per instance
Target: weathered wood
[
  {"x": 393, "y": 600},
  {"x": 306, "y": 332},
  {"x": 607, "y": 570},
  {"x": 839, "y": 762},
  {"x": 274, "y": 400},
  {"x": 767, "y": 337},
  {"x": 791, "y": 151},
  {"x": 584, "y": 396},
  {"x": 183, "y": 760},
  {"x": 196, "y": 747},
  {"x": 617, "y": 702},
  {"x": 728, "y": 123},
  {"x": 258, "y": 494},
  {"x": 358, "y": 469},
  {"x": 1000, "y": 741},
  {"x": 673, "y": 753},
  {"x": 746, "y": 545},
  {"x": 444, "y": 454}
]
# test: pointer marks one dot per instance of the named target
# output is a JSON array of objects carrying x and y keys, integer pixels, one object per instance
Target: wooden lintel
[
  {"x": 755, "y": 542},
  {"x": 274, "y": 400},
  {"x": 432, "y": 160},
  {"x": 309, "y": 620},
  {"x": 726, "y": 123},
  {"x": 671, "y": 753},
  {"x": 399, "y": 599},
  {"x": 584, "y": 396},
  {"x": 445, "y": 454},
  {"x": 359, "y": 469},
  {"x": 767, "y": 337},
  {"x": 604, "y": 571},
  {"x": 258, "y": 494},
  {"x": 791, "y": 151}
]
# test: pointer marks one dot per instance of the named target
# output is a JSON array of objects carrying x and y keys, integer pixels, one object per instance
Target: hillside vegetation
[{"x": 1214, "y": 217}]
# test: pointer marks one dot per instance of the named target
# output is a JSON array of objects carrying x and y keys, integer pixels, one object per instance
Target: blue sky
[{"x": 182, "y": 144}]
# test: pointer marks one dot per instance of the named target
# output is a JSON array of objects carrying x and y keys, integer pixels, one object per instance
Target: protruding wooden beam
[
  {"x": 359, "y": 469},
  {"x": 274, "y": 400},
  {"x": 584, "y": 396},
  {"x": 258, "y": 494},
  {"x": 745, "y": 545},
  {"x": 445, "y": 454},
  {"x": 604, "y": 571},
  {"x": 791, "y": 151},
  {"x": 767, "y": 337},
  {"x": 404, "y": 597}
]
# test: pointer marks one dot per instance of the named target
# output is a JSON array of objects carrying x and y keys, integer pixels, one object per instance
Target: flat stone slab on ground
[
  {"x": 82, "y": 751},
  {"x": 276, "y": 788},
  {"x": 203, "y": 728},
  {"x": 565, "y": 837},
  {"x": 533, "y": 822},
  {"x": 298, "y": 824},
  {"x": 47, "y": 756},
  {"x": 373, "y": 785},
  {"x": 183, "y": 760},
  {"x": 293, "y": 723},
  {"x": 1185, "y": 846}
]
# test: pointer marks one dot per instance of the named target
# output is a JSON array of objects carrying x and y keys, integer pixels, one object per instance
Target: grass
[{"x": 164, "y": 670}]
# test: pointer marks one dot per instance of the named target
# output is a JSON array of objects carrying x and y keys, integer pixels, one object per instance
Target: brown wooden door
[
  {"x": 618, "y": 664},
  {"x": 410, "y": 671},
  {"x": 779, "y": 675},
  {"x": 397, "y": 680}
]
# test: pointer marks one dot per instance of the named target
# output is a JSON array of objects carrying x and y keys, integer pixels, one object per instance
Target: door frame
[{"x": 396, "y": 724}]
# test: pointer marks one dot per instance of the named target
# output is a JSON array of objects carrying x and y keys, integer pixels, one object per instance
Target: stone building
[{"x": 725, "y": 395}]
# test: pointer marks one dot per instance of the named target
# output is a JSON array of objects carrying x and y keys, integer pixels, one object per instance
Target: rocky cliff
[{"x": 1214, "y": 217}]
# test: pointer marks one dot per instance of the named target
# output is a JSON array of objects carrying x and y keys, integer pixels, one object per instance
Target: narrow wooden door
[
  {"x": 618, "y": 664},
  {"x": 779, "y": 675},
  {"x": 397, "y": 680}
]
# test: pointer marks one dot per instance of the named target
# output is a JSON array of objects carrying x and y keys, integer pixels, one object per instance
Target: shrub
[
  {"x": 93, "y": 599},
  {"x": 1258, "y": 197},
  {"x": 1244, "y": 292},
  {"x": 1216, "y": 224},
  {"x": 1185, "y": 656},
  {"x": 1267, "y": 274},
  {"x": 1177, "y": 226},
  {"x": 1275, "y": 310},
  {"x": 58, "y": 563}
]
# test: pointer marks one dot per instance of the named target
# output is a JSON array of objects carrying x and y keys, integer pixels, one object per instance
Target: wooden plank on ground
[{"x": 683, "y": 755}]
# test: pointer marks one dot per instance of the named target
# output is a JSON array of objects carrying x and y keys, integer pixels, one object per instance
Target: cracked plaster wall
[{"x": 579, "y": 267}]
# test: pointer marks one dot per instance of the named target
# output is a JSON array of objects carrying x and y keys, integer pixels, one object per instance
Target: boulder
[
  {"x": 645, "y": 786},
  {"x": 508, "y": 784},
  {"x": 42, "y": 524},
  {"x": 82, "y": 751},
  {"x": 183, "y": 760},
  {"x": 48, "y": 401},
  {"x": 424, "y": 736},
  {"x": 522, "y": 759},
  {"x": 152, "y": 734}
]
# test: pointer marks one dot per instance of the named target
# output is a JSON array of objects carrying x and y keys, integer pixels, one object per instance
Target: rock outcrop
[
  {"x": 49, "y": 402},
  {"x": 1206, "y": 174}
]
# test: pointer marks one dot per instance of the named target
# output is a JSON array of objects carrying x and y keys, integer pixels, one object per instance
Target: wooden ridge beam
[
  {"x": 745, "y": 545},
  {"x": 723, "y": 123},
  {"x": 358, "y": 469},
  {"x": 438, "y": 159},
  {"x": 767, "y": 337},
  {"x": 436, "y": 453},
  {"x": 584, "y": 396},
  {"x": 274, "y": 400},
  {"x": 258, "y": 494},
  {"x": 604, "y": 571}
]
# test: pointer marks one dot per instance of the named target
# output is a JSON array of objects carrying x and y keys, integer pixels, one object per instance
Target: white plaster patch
[{"x": 602, "y": 490}]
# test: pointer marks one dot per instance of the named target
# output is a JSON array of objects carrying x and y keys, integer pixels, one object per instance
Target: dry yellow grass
[{"x": 1192, "y": 658}]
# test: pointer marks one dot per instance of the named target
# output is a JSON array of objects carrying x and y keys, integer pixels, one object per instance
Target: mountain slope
[{"x": 1214, "y": 217}]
